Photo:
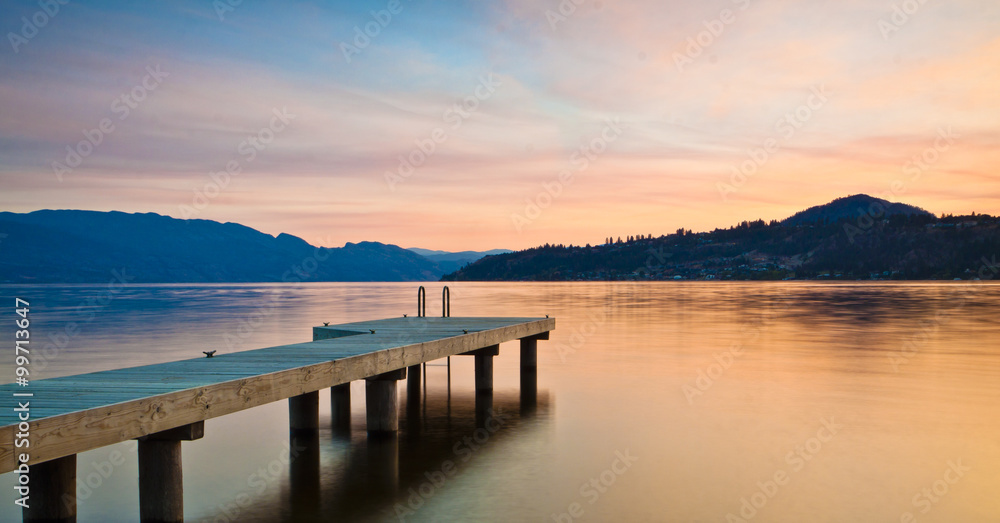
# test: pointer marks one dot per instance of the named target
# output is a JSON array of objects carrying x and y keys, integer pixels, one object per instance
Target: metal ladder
[{"x": 445, "y": 313}]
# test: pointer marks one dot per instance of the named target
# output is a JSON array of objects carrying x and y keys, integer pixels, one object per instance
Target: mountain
[
  {"x": 851, "y": 207},
  {"x": 458, "y": 255},
  {"x": 69, "y": 246},
  {"x": 452, "y": 261},
  {"x": 849, "y": 238}
]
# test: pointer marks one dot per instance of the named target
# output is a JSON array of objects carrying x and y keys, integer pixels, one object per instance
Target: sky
[{"x": 508, "y": 124}]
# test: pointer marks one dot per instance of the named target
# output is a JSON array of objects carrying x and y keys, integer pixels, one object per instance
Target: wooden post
[
  {"x": 161, "y": 482},
  {"x": 529, "y": 353},
  {"x": 340, "y": 405},
  {"x": 381, "y": 402},
  {"x": 413, "y": 401},
  {"x": 303, "y": 414},
  {"x": 484, "y": 373},
  {"x": 161, "y": 477},
  {"x": 529, "y": 375},
  {"x": 53, "y": 491},
  {"x": 413, "y": 384},
  {"x": 484, "y": 368}
]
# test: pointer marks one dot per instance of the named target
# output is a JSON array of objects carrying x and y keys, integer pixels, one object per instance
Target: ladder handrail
[
  {"x": 421, "y": 302},
  {"x": 446, "y": 302}
]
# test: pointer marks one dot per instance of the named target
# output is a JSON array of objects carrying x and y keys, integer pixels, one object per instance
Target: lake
[{"x": 687, "y": 402}]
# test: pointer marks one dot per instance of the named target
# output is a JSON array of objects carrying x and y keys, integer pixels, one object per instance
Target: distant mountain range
[
  {"x": 452, "y": 261},
  {"x": 854, "y": 237},
  {"x": 857, "y": 237},
  {"x": 68, "y": 246}
]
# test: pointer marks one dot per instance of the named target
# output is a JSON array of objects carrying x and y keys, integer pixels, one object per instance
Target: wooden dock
[{"x": 164, "y": 404}]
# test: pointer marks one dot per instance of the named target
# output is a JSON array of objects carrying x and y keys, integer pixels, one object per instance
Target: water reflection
[
  {"x": 910, "y": 370},
  {"x": 381, "y": 477},
  {"x": 304, "y": 475}
]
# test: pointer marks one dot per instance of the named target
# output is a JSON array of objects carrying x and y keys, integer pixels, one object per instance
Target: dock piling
[
  {"x": 382, "y": 403},
  {"x": 413, "y": 399},
  {"x": 303, "y": 414},
  {"x": 53, "y": 493},
  {"x": 161, "y": 476},
  {"x": 529, "y": 373},
  {"x": 484, "y": 373},
  {"x": 484, "y": 367},
  {"x": 529, "y": 354},
  {"x": 340, "y": 406},
  {"x": 413, "y": 383}
]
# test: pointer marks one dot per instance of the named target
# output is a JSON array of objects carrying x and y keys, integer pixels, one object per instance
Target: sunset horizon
[
  {"x": 507, "y": 125},
  {"x": 863, "y": 213}
]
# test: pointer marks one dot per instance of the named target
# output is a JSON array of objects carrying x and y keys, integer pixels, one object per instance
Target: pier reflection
[
  {"x": 366, "y": 478},
  {"x": 304, "y": 475},
  {"x": 529, "y": 392}
]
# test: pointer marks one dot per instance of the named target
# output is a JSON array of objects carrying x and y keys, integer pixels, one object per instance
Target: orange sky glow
[{"x": 504, "y": 125}]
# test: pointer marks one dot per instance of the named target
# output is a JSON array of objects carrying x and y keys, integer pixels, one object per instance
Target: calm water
[{"x": 656, "y": 402}]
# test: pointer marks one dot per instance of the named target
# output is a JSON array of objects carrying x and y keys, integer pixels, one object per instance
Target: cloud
[{"x": 685, "y": 127}]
